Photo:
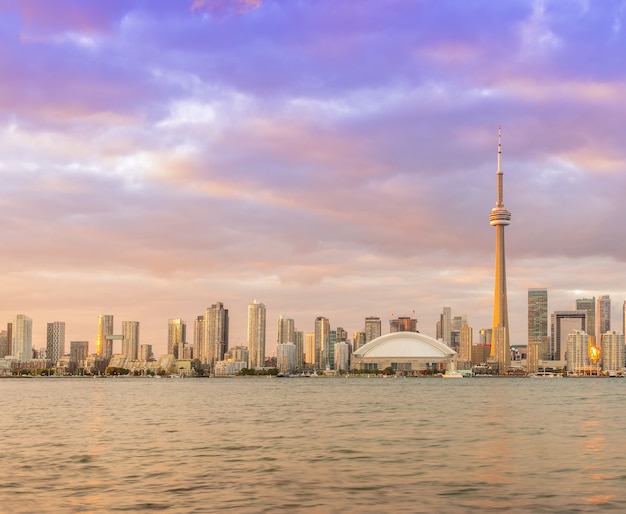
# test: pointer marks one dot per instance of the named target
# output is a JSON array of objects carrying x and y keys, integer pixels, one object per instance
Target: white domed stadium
[{"x": 411, "y": 352}]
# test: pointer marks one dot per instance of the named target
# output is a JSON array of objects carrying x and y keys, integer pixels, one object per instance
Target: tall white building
[
  {"x": 104, "y": 346},
  {"x": 342, "y": 356},
  {"x": 22, "y": 346},
  {"x": 286, "y": 357},
  {"x": 130, "y": 341},
  {"x": 445, "y": 324},
  {"x": 55, "y": 341},
  {"x": 577, "y": 352},
  {"x": 256, "y": 335},
  {"x": 612, "y": 351}
]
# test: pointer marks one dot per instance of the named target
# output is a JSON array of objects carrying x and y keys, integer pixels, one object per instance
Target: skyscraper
[
  {"x": 199, "y": 348},
  {"x": 216, "y": 333},
  {"x": 612, "y": 354},
  {"x": 603, "y": 316},
  {"x": 104, "y": 347},
  {"x": 130, "y": 341},
  {"x": 322, "y": 342},
  {"x": 55, "y": 341},
  {"x": 500, "y": 218},
  {"x": 589, "y": 306},
  {"x": 298, "y": 338},
  {"x": 79, "y": 350},
  {"x": 285, "y": 329},
  {"x": 445, "y": 326},
  {"x": 466, "y": 340},
  {"x": 538, "y": 321},
  {"x": 372, "y": 328},
  {"x": 176, "y": 337},
  {"x": 309, "y": 349},
  {"x": 23, "y": 338},
  {"x": 256, "y": 335}
]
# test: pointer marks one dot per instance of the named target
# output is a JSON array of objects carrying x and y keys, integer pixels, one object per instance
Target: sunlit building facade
[
  {"x": 22, "y": 344},
  {"x": 176, "y": 337},
  {"x": 322, "y": 343},
  {"x": 256, "y": 335},
  {"x": 104, "y": 346},
  {"x": 130, "y": 339}
]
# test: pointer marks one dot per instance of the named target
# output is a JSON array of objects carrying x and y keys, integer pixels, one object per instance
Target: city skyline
[{"x": 160, "y": 157}]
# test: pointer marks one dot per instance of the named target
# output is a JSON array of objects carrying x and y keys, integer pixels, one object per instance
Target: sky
[{"x": 326, "y": 158}]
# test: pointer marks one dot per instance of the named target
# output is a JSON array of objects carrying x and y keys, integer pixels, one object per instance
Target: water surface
[{"x": 312, "y": 445}]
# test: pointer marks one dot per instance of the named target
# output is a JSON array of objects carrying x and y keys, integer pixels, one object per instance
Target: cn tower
[{"x": 500, "y": 218}]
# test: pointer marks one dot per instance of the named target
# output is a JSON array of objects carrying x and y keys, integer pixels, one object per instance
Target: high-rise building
[
  {"x": 79, "y": 351},
  {"x": 500, "y": 218},
  {"x": 359, "y": 339},
  {"x": 372, "y": 328},
  {"x": 55, "y": 341},
  {"x": 130, "y": 339},
  {"x": 286, "y": 357},
  {"x": 298, "y": 337},
  {"x": 4, "y": 345},
  {"x": 199, "y": 332},
  {"x": 578, "y": 352},
  {"x": 538, "y": 321},
  {"x": 612, "y": 351},
  {"x": 465, "y": 355},
  {"x": 589, "y": 306},
  {"x": 603, "y": 316},
  {"x": 176, "y": 337},
  {"x": 565, "y": 323},
  {"x": 256, "y": 335},
  {"x": 22, "y": 343},
  {"x": 309, "y": 349},
  {"x": 342, "y": 356},
  {"x": 403, "y": 324},
  {"x": 104, "y": 346},
  {"x": 215, "y": 334},
  {"x": 444, "y": 327},
  {"x": 322, "y": 342},
  {"x": 9, "y": 338},
  {"x": 285, "y": 329}
]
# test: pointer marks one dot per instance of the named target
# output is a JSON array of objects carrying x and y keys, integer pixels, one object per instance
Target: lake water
[{"x": 312, "y": 445}]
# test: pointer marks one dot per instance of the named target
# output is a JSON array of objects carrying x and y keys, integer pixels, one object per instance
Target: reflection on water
[{"x": 318, "y": 445}]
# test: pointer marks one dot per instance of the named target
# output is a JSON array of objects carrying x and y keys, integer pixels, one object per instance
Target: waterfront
[{"x": 312, "y": 445}]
